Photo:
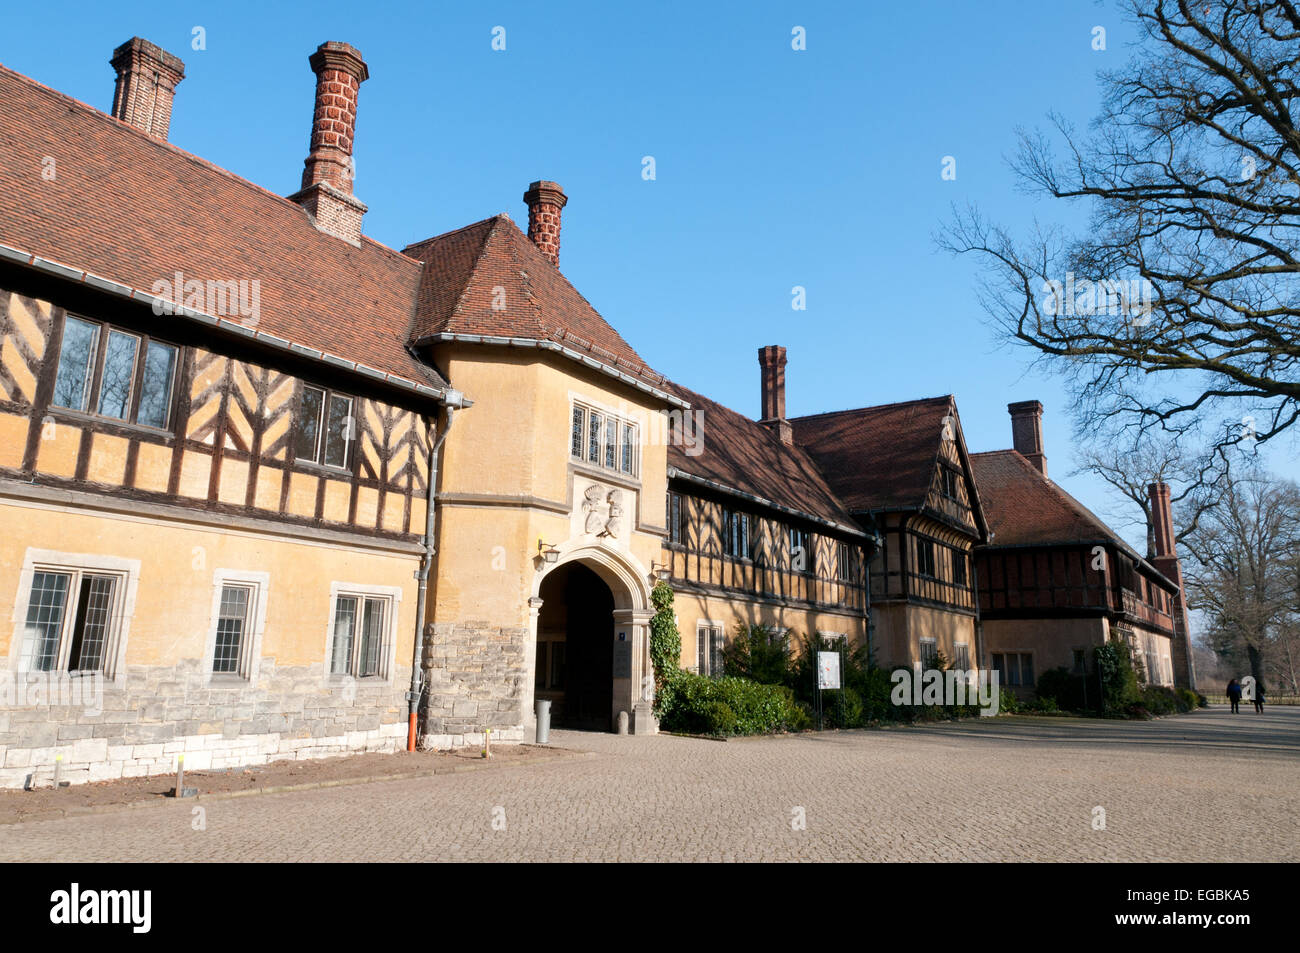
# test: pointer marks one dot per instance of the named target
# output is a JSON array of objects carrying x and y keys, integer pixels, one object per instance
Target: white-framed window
[
  {"x": 73, "y": 613},
  {"x": 929, "y": 653},
  {"x": 325, "y": 427},
  {"x": 708, "y": 647},
  {"x": 238, "y": 620},
  {"x": 833, "y": 639},
  {"x": 961, "y": 656},
  {"x": 1015, "y": 669},
  {"x": 602, "y": 439},
  {"x": 361, "y": 635}
]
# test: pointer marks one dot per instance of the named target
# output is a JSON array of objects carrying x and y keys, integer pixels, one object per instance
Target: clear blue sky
[{"x": 775, "y": 168}]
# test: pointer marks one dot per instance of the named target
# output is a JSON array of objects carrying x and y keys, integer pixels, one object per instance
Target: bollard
[
  {"x": 543, "y": 721},
  {"x": 181, "y": 790},
  {"x": 58, "y": 769},
  {"x": 487, "y": 742},
  {"x": 622, "y": 723}
]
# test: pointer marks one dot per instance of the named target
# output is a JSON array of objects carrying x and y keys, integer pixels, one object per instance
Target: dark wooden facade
[
  {"x": 1071, "y": 580},
  {"x": 788, "y": 559},
  {"x": 926, "y": 555}
]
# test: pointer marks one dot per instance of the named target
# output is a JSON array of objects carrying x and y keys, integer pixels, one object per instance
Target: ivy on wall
[{"x": 665, "y": 644}]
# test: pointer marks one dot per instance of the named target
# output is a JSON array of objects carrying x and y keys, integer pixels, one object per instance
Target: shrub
[
  {"x": 875, "y": 688},
  {"x": 1161, "y": 701},
  {"x": 842, "y": 709},
  {"x": 802, "y": 671},
  {"x": 1065, "y": 688},
  {"x": 718, "y": 718},
  {"x": 696, "y": 705},
  {"x": 759, "y": 654},
  {"x": 1119, "y": 687},
  {"x": 801, "y": 719},
  {"x": 1043, "y": 704},
  {"x": 1008, "y": 702}
]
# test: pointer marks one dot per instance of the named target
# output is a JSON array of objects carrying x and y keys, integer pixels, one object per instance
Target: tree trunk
[{"x": 1256, "y": 664}]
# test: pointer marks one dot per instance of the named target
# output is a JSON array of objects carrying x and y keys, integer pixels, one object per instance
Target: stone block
[
  {"x": 198, "y": 760},
  {"x": 90, "y": 750},
  {"x": 106, "y": 771}
]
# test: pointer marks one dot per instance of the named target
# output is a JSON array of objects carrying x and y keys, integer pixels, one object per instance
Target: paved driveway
[{"x": 1207, "y": 786}]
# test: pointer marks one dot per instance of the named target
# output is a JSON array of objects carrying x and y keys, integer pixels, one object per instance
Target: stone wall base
[
  {"x": 445, "y": 742},
  {"x": 95, "y": 759}
]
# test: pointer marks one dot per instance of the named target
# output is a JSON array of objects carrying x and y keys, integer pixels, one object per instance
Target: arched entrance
[
  {"x": 595, "y": 600},
  {"x": 575, "y": 648}
]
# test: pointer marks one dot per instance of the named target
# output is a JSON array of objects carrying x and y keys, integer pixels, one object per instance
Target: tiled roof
[
  {"x": 127, "y": 207},
  {"x": 877, "y": 458},
  {"x": 1024, "y": 507},
  {"x": 742, "y": 454},
  {"x": 488, "y": 279}
]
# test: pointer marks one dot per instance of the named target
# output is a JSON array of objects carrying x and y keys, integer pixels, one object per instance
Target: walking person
[
  {"x": 1259, "y": 699},
  {"x": 1234, "y": 694}
]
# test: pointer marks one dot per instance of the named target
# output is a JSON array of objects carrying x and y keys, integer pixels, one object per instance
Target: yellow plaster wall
[
  {"x": 513, "y": 445},
  {"x": 899, "y": 629},
  {"x": 174, "y": 596}
]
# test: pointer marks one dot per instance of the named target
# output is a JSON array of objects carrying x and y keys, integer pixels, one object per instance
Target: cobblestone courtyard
[{"x": 1204, "y": 787}]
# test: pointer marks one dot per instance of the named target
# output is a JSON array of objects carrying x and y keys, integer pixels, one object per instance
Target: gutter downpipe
[{"x": 430, "y": 522}]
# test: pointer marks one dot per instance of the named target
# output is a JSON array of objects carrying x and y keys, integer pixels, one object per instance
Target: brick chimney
[
  {"x": 1167, "y": 562},
  {"x": 1027, "y": 432},
  {"x": 327, "y": 174},
  {"x": 545, "y": 200},
  {"x": 771, "y": 361},
  {"x": 147, "y": 77}
]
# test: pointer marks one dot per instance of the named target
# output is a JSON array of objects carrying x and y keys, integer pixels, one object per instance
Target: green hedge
[{"x": 698, "y": 705}]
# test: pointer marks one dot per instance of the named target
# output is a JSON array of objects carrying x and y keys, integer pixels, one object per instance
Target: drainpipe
[
  {"x": 452, "y": 401},
  {"x": 975, "y": 601}
]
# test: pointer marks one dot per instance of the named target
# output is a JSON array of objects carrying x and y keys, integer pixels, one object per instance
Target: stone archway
[{"x": 629, "y": 634}]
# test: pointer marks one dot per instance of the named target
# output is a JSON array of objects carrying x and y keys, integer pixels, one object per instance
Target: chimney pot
[
  {"x": 328, "y": 171},
  {"x": 147, "y": 77},
  {"x": 771, "y": 361},
  {"x": 1027, "y": 432},
  {"x": 545, "y": 200}
]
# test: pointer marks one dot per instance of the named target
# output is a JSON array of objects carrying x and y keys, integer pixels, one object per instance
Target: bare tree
[
  {"x": 1193, "y": 481},
  {"x": 1179, "y": 308},
  {"x": 1242, "y": 572}
]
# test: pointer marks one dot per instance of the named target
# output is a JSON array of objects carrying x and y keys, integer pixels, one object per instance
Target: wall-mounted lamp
[
  {"x": 662, "y": 573},
  {"x": 547, "y": 551}
]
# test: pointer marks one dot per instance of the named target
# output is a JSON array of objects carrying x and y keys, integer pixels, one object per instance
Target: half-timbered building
[
  {"x": 755, "y": 534},
  {"x": 904, "y": 472},
  {"x": 1055, "y": 581},
  {"x": 214, "y": 444},
  {"x": 271, "y": 489}
]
